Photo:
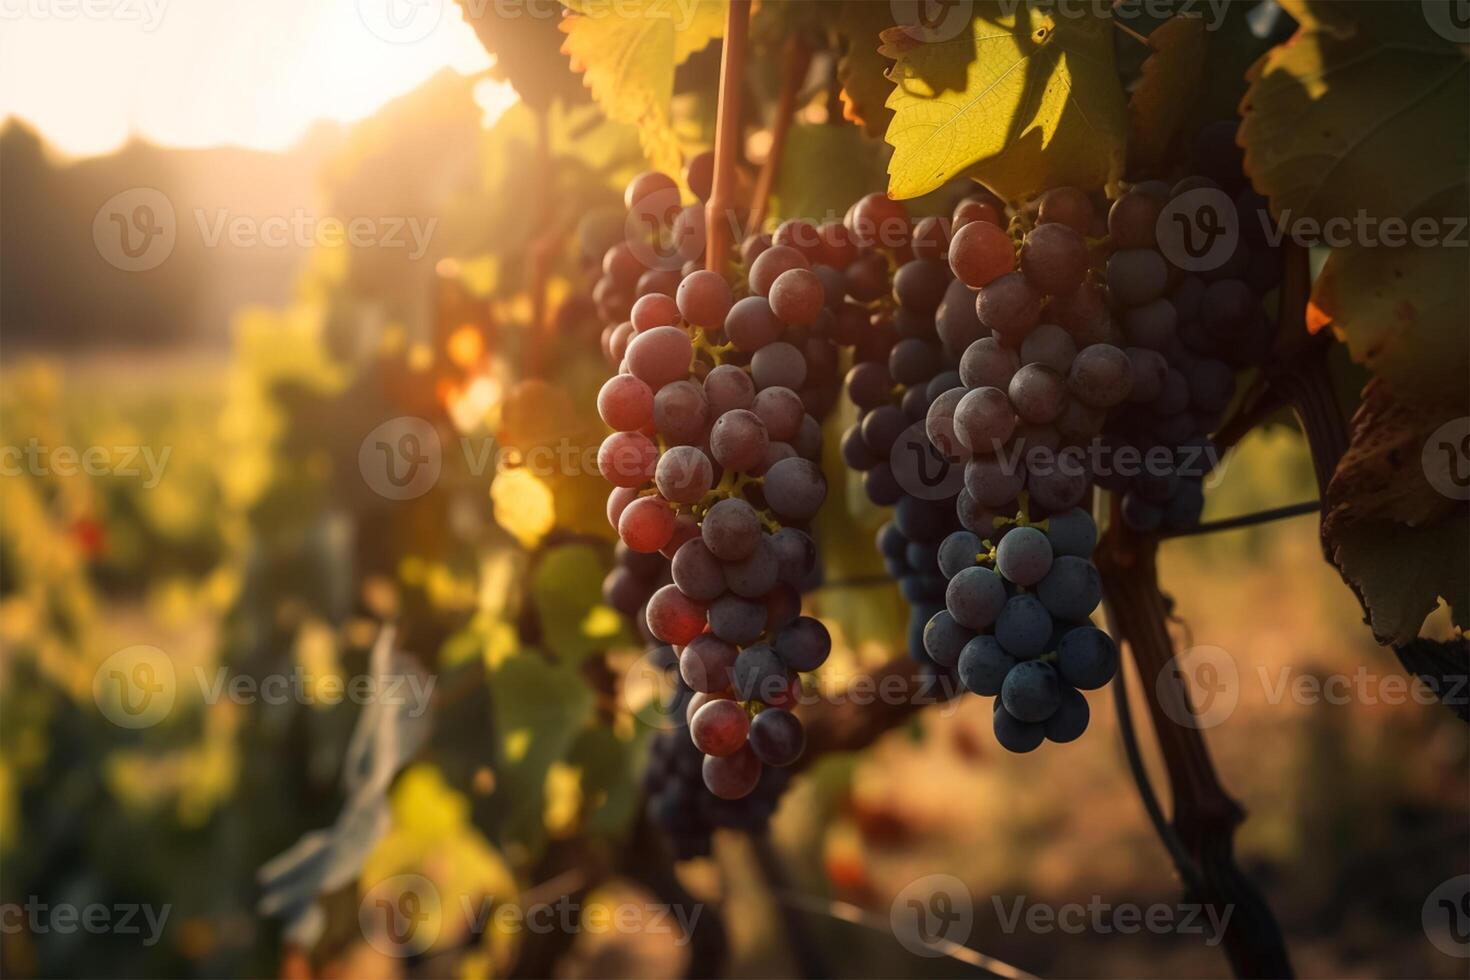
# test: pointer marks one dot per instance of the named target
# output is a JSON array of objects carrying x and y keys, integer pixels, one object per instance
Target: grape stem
[
  {"x": 718, "y": 233},
  {"x": 1248, "y": 520},
  {"x": 1205, "y": 815},
  {"x": 793, "y": 72}
]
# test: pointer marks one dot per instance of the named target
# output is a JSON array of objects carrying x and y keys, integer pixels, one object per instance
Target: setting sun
[{"x": 193, "y": 73}]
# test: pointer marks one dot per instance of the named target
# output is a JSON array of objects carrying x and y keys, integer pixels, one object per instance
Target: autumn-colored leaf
[
  {"x": 1021, "y": 100},
  {"x": 1397, "y": 539}
]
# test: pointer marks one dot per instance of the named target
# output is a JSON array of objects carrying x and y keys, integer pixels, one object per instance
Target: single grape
[
  {"x": 618, "y": 501},
  {"x": 1068, "y": 206},
  {"x": 957, "y": 552},
  {"x": 1150, "y": 370},
  {"x": 913, "y": 361},
  {"x": 697, "y": 572},
  {"x": 975, "y": 597},
  {"x": 919, "y": 286},
  {"x": 983, "y": 665},
  {"x": 1057, "y": 480},
  {"x": 993, "y": 481},
  {"x": 727, "y": 388},
  {"x": 755, "y": 574},
  {"x": 979, "y": 209},
  {"x": 1137, "y": 276},
  {"x": 732, "y": 777},
  {"x": 684, "y": 475},
  {"x": 1050, "y": 346},
  {"x": 855, "y": 452},
  {"x": 1054, "y": 258},
  {"x": 660, "y": 355},
  {"x": 1024, "y": 556},
  {"x": 989, "y": 364},
  {"x": 778, "y": 365},
  {"x": 939, "y": 425},
  {"x": 795, "y": 488},
  {"x": 1070, "y": 719},
  {"x": 1013, "y": 734},
  {"x": 751, "y": 324},
  {"x": 1023, "y": 626},
  {"x": 738, "y": 440},
  {"x": 980, "y": 253},
  {"x": 882, "y": 427},
  {"x": 881, "y": 486},
  {"x": 654, "y": 310},
  {"x": 625, "y": 403},
  {"x": 704, "y": 299},
  {"x": 1132, "y": 220},
  {"x": 1101, "y": 376},
  {"x": 867, "y": 278},
  {"x": 1038, "y": 394},
  {"x": 1071, "y": 589},
  {"x": 922, "y": 520},
  {"x": 674, "y": 617},
  {"x": 1072, "y": 532},
  {"x": 984, "y": 420},
  {"x": 627, "y": 459},
  {"x": 797, "y": 297},
  {"x": 771, "y": 264},
  {"x": 706, "y": 662},
  {"x": 876, "y": 220},
  {"x": 646, "y": 185},
  {"x": 944, "y": 638},
  {"x": 804, "y": 644},
  {"x": 736, "y": 619},
  {"x": 1010, "y": 307},
  {"x": 1032, "y": 692},
  {"x": 776, "y": 737},
  {"x": 731, "y": 529},
  {"x": 759, "y": 674},
  {"x": 1087, "y": 658},
  {"x": 681, "y": 412},
  {"x": 782, "y": 412}
]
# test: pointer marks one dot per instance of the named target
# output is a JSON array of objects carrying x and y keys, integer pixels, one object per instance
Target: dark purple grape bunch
[
  {"x": 681, "y": 806},
  {"x": 1190, "y": 264},
  {"x": 1016, "y": 624},
  {"x": 714, "y": 458}
]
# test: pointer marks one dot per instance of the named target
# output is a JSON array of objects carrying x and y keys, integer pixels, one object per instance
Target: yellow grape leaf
[
  {"x": 1363, "y": 111},
  {"x": 1167, "y": 90},
  {"x": 1022, "y": 101},
  {"x": 627, "y": 53},
  {"x": 1402, "y": 313},
  {"x": 862, "y": 71}
]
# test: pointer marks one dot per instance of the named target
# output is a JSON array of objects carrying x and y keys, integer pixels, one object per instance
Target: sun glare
[{"x": 193, "y": 73}]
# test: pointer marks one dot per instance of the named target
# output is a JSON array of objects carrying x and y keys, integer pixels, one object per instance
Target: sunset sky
[{"x": 208, "y": 72}]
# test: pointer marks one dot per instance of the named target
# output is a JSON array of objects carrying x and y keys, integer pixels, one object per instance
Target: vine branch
[
  {"x": 719, "y": 235},
  {"x": 793, "y": 72}
]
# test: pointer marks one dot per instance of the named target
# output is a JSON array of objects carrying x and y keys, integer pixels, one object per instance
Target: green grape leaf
[
  {"x": 807, "y": 186},
  {"x": 1402, "y": 313},
  {"x": 540, "y": 709},
  {"x": 627, "y": 54},
  {"x": 1022, "y": 101},
  {"x": 1167, "y": 91},
  {"x": 525, "y": 48},
  {"x": 1363, "y": 112},
  {"x": 609, "y": 786},
  {"x": 566, "y": 587},
  {"x": 862, "y": 71},
  {"x": 1398, "y": 540}
]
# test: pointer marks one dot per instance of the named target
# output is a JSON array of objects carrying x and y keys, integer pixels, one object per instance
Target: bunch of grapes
[
  {"x": 686, "y": 811},
  {"x": 714, "y": 462},
  {"x": 1015, "y": 624}
]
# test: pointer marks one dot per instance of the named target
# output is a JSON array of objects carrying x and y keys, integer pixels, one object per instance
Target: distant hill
[{"x": 59, "y": 291}]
